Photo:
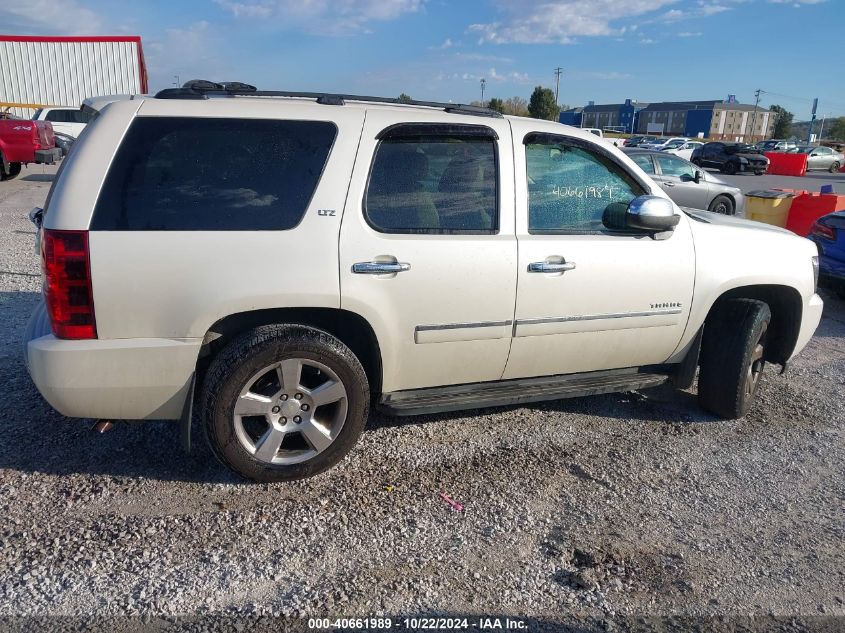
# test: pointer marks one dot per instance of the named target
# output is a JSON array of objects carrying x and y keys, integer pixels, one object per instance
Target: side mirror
[
  {"x": 651, "y": 213},
  {"x": 698, "y": 177}
]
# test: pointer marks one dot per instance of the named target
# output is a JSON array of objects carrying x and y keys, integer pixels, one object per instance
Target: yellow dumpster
[{"x": 771, "y": 207}]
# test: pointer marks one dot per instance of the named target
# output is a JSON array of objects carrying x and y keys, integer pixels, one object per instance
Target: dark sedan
[{"x": 731, "y": 158}]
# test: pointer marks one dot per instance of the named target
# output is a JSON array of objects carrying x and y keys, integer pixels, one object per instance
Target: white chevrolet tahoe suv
[{"x": 276, "y": 262}]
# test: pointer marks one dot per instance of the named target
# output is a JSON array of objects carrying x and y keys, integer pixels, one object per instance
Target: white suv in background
[
  {"x": 278, "y": 261},
  {"x": 70, "y": 121}
]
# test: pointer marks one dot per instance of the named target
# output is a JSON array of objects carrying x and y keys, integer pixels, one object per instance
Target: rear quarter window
[{"x": 208, "y": 174}]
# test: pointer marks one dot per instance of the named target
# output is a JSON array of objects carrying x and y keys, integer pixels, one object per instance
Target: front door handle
[
  {"x": 668, "y": 184},
  {"x": 549, "y": 267},
  {"x": 379, "y": 268}
]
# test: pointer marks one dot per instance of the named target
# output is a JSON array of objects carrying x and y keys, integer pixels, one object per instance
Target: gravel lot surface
[{"x": 578, "y": 510}]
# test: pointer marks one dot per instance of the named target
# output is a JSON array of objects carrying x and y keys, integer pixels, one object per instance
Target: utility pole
[
  {"x": 176, "y": 81},
  {"x": 821, "y": 129},
  {"x": 813, "y": 120},
  {"x": 754, "y": 118},
  {"x": 483, "y": 84},
  {"x": 558, "y": 73}
]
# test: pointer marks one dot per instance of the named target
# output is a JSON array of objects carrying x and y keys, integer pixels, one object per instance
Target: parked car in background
[
  {"x": 685, "y": 150},
  {"x": 688, "y": 185},
  {"x": 64, "y": 142},
  {"x": 664, "y": 143},
  {"x": 636, "y": 141},
  {"x": 731, "y": 158},
  {"x": 23, "y": 141},
  {"x": 776, "y": 145},
  {"x": 828, "y": 233},
  {"x": 569, "y": 272},
  {"x": 822, "y": 158},
  {"x": 70, "y": 121}
]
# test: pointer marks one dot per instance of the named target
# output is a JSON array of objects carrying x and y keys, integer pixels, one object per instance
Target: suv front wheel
[
  {"x": 732, "y": 356},
  {"x": 284, "y": 402}
]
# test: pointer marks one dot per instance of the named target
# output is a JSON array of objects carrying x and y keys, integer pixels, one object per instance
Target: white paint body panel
[
  {"x": 454, "y": 279},
  {"x": 55, "y": 73},
  {"x": 588, "y": 316}
]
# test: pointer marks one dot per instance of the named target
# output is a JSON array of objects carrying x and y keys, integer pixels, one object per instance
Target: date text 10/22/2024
[{"x": 420, "y": 623}]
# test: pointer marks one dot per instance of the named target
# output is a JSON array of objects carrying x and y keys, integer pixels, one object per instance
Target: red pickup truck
[{"x": 23, "y": 141}]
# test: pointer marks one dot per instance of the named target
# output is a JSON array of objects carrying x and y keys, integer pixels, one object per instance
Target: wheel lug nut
[
  {"x": 284, "y": 397},
  {"x": 305, "y": 407},
  {"x": 297, "y": 419},
  {"x": 284, "y": 420},
  {"x": 298, "y": 396},
  {"x": 275, "y": 409}
]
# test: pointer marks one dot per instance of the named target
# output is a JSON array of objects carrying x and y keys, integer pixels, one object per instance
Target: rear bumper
[
  {"x": 118, "y": 379},
  {"x": 810, "y": 319},
  {"x": 48, "y": 156}
]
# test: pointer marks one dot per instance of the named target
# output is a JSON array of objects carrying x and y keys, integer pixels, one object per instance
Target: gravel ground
[{"x": 624, "y": 507}]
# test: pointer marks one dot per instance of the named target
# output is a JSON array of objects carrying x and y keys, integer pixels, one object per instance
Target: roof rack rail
[{"x": 202, "y": 89}]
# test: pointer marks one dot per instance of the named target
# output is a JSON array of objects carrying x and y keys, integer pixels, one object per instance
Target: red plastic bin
[
  {"x": 783, "y": 164},
  {"x": 808, "y": 207}
]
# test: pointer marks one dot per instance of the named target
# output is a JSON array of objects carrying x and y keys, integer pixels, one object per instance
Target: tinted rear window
[{"x": 200, "y": 174}]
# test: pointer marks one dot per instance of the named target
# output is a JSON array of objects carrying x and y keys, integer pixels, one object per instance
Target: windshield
[{"x": 674, "y": 144}]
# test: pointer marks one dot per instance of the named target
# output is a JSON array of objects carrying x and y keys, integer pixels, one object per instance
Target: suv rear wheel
[
  {"x": 732, "y": 353},
  {"x": 284, "y": 402}
]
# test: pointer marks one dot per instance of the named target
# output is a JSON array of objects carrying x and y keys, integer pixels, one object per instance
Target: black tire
[
  {"x": 758, "y": 173},
  {"x": 722, "y": 204},
  {"x": 236, "y": 365},
  {"x": 732, "y": 356},
  {"x": 834, "y": 167},
  {"x": 8, "y": 170},
  {"x": 696, "y": 161},
  {"x": 729, "y": 168}
]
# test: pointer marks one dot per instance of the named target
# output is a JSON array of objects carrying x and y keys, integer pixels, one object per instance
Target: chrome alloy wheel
[
  {"x": 290, "y": 411},
  {"x": 755, "y": 367}
]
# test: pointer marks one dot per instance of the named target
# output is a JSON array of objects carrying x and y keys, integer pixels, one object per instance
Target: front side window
[
  {"x": 183, "y": 174},
  {"x": 671, "y": 166},
  {"x": 573, "y": 189},
  {"x": 434, "y": 183}
]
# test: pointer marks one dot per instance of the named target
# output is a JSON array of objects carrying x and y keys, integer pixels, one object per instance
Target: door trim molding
[
  {"x": 594, "y": 317},
  {"x": 472, "y": 331}
]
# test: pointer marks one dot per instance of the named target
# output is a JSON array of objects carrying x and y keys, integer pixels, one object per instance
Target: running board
[{"x": 520, "y": 390}]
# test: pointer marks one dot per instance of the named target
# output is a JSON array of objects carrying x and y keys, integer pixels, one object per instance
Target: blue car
[{"x": 829, "y": 233}]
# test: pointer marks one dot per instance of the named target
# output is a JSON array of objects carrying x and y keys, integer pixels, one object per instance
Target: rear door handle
[
  {"x": 548, "y": 267},
  {"x": 379, "y": 268}
]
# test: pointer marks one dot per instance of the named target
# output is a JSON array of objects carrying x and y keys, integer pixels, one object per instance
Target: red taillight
[
  {"x": 67, "y": 283},
  {"x": 822, "y": 230}
]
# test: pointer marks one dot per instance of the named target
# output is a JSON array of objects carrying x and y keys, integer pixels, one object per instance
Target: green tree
[
  {"x": 837, "y": 129},
  {"x": 783, "y": 124},
  {"x": 542, "y": 104},
  {"x": 496, "y": 104},
  {"x": 403, "y": 98}
]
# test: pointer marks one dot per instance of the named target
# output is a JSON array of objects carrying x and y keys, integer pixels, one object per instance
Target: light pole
[
  {"x": 483, "y": 84},
  {"x": 176, "y": 81}
]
